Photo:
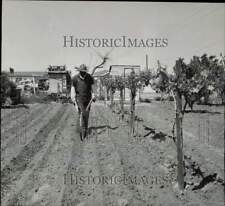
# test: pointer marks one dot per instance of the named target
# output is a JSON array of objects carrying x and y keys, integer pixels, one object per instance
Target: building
[
  {"x": 17, "y": 77},
  {"x": 26, "y": 81},
  {"x": 124, "y": 70},
  {"x": 59, "y": 80}
]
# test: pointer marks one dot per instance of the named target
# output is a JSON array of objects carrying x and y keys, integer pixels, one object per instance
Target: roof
[
  {"x": 119, "y": 69},
  {"x": 27, "y": 74},
  {"x": 58, "y": 72},
  {"x": 101, "y": 73}
]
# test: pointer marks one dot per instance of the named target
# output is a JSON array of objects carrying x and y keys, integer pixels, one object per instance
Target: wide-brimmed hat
[{"x": 82, "y": 68}]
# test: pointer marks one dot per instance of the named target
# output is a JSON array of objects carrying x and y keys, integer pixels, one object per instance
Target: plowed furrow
[
  {"x": 17, "y": 143},
  {"x": 18, "y": 164},
  {"x": 83, "y": 163},
  {"x": 17, "y": 113},
  {"x": 108, "y": 161},
  {"x": 137, "y": 192},
  {"x": 44, "y": 171},
  {"x": 5, "y": 113},
  {"x": 24, "y": 124},
  {"x": 21, "y": 121}
]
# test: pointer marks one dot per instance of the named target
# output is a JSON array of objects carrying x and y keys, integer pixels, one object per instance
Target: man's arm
[
  {"x": 73, "y": 96},
  {"x": 92, "y": 89},
  {"x": 72, "y": 93}
]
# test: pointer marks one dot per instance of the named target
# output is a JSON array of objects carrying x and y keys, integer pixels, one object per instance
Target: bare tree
[{"x": 104, "y": 58}]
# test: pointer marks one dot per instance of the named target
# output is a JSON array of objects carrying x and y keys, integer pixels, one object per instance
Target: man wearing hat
[{"x": 82, "y": 83}]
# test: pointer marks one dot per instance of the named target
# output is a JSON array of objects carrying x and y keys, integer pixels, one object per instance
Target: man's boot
[{"x": 82, "y": 134}]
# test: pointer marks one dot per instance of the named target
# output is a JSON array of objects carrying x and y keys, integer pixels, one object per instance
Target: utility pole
[
  {"x": 158, "y": 63},
  {"x": 34, "y": 84},
  {"x": 146, "y": 61}
]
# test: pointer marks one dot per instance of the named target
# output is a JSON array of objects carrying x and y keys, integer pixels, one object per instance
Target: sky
[{"x": 32, "y": 32}]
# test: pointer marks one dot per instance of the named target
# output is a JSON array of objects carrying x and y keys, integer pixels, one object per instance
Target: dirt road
[{"x": 43, "y": 162}]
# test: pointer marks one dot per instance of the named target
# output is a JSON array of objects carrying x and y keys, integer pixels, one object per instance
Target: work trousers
[{"x": 83, "y": 116}]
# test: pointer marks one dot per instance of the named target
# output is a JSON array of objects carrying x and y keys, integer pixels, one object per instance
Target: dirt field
[{"x": 43, "y": 161}]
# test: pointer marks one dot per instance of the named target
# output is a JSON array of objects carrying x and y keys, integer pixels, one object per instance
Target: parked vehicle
[{"x": 43, "y": 84}]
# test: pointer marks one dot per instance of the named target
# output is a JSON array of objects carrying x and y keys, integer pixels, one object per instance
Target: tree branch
[{"x": 100, "y": 65}]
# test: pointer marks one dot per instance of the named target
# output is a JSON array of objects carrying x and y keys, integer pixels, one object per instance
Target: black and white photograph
[{"x": 112, "y": 103}]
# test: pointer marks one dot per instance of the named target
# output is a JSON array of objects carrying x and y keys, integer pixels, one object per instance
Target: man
[{"x": 82, "y": 84}]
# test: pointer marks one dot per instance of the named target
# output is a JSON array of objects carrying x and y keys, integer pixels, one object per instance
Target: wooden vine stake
[
  {"x": 223, "y": 95},
  {"x": 122, "y": 103},
  {"x": 120, "y": 86},
  {"x": 105, "y": 95},
  {"x": 132, "y": 103},
  {"x": 179, "y": 129},
  {"x": 111, "y": 97},
  {"x": 179, "y": 134}
]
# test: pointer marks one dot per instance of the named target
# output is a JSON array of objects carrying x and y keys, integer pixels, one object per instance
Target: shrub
[
  {"x": 157, "y": 98},
  {"x": 146, "y": 100},
  {"x": 8, "y": 89},
  {"x": 170, "y": 98}
]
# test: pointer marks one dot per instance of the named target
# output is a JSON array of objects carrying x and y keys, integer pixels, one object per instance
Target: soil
[{"x": 43, "y": 161}]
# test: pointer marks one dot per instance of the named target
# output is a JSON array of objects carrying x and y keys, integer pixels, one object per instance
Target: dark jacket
[{"x": 83, "y": 87}]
